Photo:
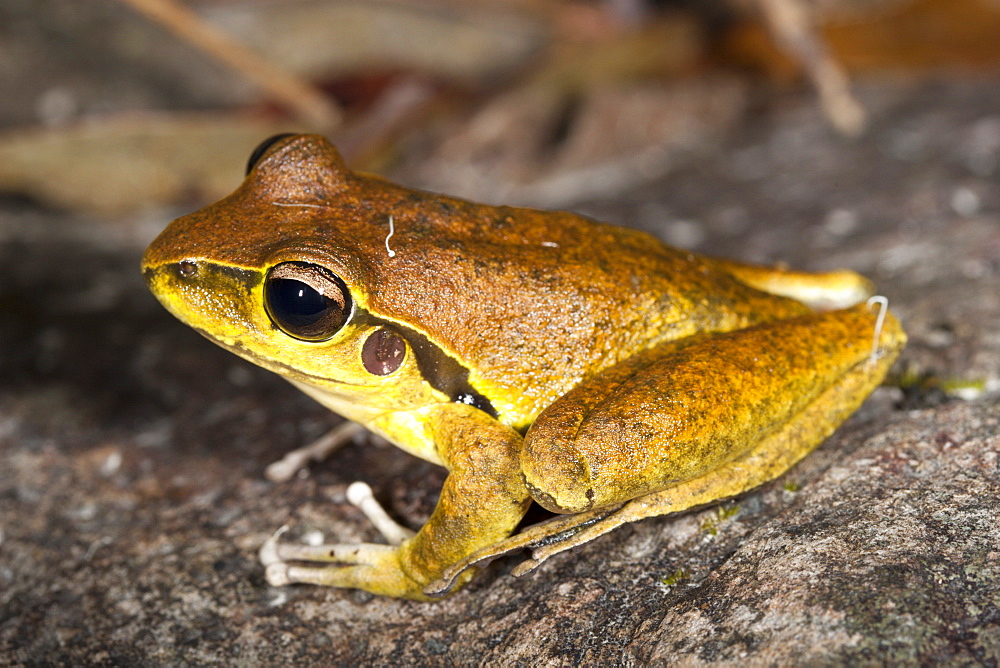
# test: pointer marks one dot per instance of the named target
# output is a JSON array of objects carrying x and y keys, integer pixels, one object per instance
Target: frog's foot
[
  {"x": 288, "y": 466},
  {"x": 366, "y": 566},
  {"x": 544, "y": 540},
  {"x": 822, "y": 292},
  {"x": 276, "y": 558},
  {"x": 373, "y": 568}
]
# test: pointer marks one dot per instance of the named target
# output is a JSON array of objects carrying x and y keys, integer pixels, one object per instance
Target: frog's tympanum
[{"x": 537, "y": 356}]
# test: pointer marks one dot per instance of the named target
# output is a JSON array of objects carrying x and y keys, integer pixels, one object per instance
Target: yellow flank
[{"x": 538, "y": 356}]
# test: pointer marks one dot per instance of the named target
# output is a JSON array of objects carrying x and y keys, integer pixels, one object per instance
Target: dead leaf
[{"x": 117, "y": 165}]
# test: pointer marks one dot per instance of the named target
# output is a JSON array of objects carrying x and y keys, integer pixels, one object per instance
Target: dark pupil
[
  {"x": 302, "y": 311},
  {"x": 295, "y": 303}
]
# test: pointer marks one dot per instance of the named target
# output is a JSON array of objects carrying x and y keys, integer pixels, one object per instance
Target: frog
[{"x": 538, "y": 356}]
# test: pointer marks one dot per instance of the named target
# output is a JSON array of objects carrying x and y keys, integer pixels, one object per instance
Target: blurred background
[{"x": 143, "y": 104}]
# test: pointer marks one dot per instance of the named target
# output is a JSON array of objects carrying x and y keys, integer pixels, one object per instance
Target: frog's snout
[
  {"x": 166, "y": 284},
  {"x": 170, "y": 281},
  {"x": 182, "y": 270}
]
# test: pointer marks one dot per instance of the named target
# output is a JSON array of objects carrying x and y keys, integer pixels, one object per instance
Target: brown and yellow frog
[{"x": 537, "y": 356}]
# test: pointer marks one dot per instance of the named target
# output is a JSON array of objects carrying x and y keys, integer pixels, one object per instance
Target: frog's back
[
  {"x": 528, "y": 302},
  {"x": 534, "y": 301}
]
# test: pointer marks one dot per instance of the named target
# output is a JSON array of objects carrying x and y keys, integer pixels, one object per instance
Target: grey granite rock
[{"x": 132, "y": 499}]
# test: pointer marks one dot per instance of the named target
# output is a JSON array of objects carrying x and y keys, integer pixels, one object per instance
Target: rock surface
[{"x": 132, "y": 500}]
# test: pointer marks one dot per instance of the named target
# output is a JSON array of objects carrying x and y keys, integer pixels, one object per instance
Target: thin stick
[
  {"x": 883, "y": 306},
  {"x": 306, "y": 102},
  {"x": 790, "y": 22},
  {"x": 392, "y": 231}
]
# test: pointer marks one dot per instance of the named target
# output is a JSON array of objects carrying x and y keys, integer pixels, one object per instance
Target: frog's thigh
[
  {"x": 768, "y": 459},
  {"x": 829, "y": 290},
  {"x": 708, "y": 418}
]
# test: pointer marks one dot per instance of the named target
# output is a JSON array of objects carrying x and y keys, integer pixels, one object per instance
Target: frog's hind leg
[
  {"x": 771, "y": 457},
  {"x": 691, "y": 423},
  {"x": 558, "y": 530},
  {"x": 821, "y": 291}
]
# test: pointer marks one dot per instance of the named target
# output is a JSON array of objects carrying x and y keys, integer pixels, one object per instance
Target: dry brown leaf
[
  {"x": 921, "y": 36},
  {"x": 119, "y": 165},
  {"x": 323, "y": 39},
  {"x": 912, "y": 36}
]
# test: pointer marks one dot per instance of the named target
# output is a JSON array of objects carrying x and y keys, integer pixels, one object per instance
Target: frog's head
[{"x": 266, "y": 275}]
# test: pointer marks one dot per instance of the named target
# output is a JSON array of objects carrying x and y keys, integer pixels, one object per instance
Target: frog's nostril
[{"x": 187, "y": 268}]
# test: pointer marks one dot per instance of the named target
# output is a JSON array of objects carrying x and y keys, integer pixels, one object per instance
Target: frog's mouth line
[{"x": 274, "y": 366}]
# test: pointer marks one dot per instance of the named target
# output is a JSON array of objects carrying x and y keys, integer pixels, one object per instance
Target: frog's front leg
[{"x": 482, "y": 500}]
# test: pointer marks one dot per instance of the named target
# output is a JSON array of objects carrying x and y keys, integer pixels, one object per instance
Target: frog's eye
[
  {"x": 306, "y": 301},
  {"x": 262, "y": 148}
]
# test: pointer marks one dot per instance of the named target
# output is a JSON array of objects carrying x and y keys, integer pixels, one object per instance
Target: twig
[
  {"x": 790, "y": 22},
  {"x": 307, "y": 103}
]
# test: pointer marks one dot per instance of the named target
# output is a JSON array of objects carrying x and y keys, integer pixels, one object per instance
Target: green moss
[
  {"x": 722, "y": 513},
  {"x": 678, "y": 576},
  {"x": 959, "y": 388}
]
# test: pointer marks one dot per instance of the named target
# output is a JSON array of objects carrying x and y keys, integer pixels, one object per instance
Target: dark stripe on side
[{"x": 442, "y": 371}]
